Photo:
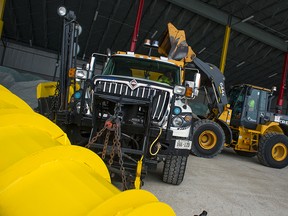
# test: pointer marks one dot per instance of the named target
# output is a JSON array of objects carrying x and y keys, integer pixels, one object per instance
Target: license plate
[{"x": 183, "y": 144}]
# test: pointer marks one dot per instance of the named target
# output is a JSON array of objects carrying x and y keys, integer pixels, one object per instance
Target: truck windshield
[{"x": 143, "y": 68}]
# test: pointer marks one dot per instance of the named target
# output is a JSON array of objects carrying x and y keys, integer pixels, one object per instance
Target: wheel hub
[
  {"x": 279, "y": 152},
  {"x": 207, "y": 139}
]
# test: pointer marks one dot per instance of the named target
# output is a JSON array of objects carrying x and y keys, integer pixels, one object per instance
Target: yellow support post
[
  {"x": 225, "y": 48},
  {"x": 137, "y": 182},
  {"x": 2, "y": 5}
]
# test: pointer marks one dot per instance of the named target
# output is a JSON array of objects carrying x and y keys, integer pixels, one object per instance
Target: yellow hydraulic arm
[{"x": 41, "y": 173}]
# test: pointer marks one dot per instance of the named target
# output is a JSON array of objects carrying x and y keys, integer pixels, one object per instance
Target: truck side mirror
[{"x": 192, "y": 80}]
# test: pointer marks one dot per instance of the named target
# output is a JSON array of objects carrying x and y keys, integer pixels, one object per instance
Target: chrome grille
[{"x": 160, "y": 96}]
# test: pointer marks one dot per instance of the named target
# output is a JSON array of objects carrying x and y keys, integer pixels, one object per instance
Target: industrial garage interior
[{"x": 247, "y": 40}]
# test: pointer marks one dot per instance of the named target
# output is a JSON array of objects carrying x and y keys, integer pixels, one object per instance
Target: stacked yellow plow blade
[{"x": 41, "y": 173}]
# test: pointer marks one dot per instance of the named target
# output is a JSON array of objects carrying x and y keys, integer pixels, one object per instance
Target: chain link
[
  {"x": 116, "y": 139},
  {"x": 113, "y": 124},
  {"x": 106, "y": 141},
  {"x": 112, "y": 154},
  {"x": 95, "y": 138}
]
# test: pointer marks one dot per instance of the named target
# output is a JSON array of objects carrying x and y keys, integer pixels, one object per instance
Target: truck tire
[
  {"x": 208, "y": 139},
  {"x": 245, "y": 154},
  {"x": 174, "y": 169},
  {"x": 273, "y": 150}
]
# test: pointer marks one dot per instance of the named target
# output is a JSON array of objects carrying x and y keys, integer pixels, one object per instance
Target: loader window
[
  {"x": 144, "y": 69},
  {"x": 252, "y": 103},
  {"x": 236, "y": 101}
]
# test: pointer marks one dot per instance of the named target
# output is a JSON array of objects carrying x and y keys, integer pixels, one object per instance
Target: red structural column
[
  {"x": 136, "y": 27},
  {"x": 282, "y": 87}
]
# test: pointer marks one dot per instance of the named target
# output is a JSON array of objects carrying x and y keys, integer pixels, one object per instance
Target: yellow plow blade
[{"x": 41, "y": 173}]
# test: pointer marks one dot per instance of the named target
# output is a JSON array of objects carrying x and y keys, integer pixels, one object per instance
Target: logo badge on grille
[{"x": 133, "y": 84}]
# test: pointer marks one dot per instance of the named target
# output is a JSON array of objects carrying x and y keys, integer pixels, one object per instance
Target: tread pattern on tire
[
  {"x": 264, "y": 149},
  {"x": 218, "y": 149},
  {"x": 174, "y": 169}
]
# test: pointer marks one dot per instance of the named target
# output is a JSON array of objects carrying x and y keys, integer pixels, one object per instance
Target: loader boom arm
[{"x": 217, "y": 81}]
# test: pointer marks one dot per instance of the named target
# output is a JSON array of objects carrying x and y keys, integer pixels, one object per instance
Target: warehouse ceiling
[{"x": 257, "y": 44}]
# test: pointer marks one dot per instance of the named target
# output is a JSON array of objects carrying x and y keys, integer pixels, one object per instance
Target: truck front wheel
[
  {"x": 174, "y": 169},
  {"x": 273, "y": 150},
  {"x": 208, "y": 139}
]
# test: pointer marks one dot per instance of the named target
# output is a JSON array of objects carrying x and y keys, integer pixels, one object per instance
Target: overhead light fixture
[
  {"x": 154, "y": 34},
  {"x": 68, "y": 15},
  {"x": 95, "y": 15},
  {"x": 272, "y": 75},
  {"x": 204, "y": 48},
  {"x": 240, "y": 64},
  {"x": 248, "y": 18},
  {"x": 62, "y": 11}
]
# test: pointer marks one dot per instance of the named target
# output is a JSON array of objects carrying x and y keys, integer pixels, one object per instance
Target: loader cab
[{"x": 249, "y": 105}]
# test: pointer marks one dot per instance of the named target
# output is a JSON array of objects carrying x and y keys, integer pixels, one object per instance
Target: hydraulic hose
[{"x": 158, "y": 146}]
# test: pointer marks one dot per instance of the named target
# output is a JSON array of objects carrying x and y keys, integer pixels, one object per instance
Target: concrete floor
[{"x": 225, "y": 185}]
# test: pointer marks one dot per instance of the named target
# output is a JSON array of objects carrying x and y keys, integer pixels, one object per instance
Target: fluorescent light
[
  {"x": 204, "y": 48},
  {"x": 248, "y": 18},
  {"x": 272, "y": 75},
  {"x": 95, "y": 16},
  {"x": 241, "y": 63},
  {"x": 154, "y": 34}
]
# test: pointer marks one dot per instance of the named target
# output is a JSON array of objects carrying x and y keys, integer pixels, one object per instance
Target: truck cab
[{"x": 147, "y": 96}]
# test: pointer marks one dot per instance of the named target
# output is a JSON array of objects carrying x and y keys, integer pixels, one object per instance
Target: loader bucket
[
  {"x": 41, "y": 173},
  {"x": 173, "y": 45}
]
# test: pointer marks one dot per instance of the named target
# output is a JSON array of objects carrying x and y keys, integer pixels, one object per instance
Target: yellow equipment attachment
[
  {"x": 41, "y": 173},
  {"x": 47, "y": 89},
  {"x": 173, "y": 45}
]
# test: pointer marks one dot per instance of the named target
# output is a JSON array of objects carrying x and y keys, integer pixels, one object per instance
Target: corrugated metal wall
[
  {"x": 32, "y": 60},
  {"x": 28, "y": 59}
]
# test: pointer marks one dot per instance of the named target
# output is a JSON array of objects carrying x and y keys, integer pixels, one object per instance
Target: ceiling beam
[{"x": 221, "y": 17}]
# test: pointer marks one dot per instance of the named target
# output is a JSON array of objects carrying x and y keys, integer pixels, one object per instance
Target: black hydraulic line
[
  {"x": 170, "y": 115},
  {"x": 147, "y": 128}
]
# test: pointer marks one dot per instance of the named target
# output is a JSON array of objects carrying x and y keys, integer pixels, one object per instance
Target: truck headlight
[
  {"x": 177, "y": 121},
  {"x": 177, "y": 110},
  {"x": 180, "y": 90},
  {"x": 188, "y": 118},
  {"x": 81, "y": 74}
]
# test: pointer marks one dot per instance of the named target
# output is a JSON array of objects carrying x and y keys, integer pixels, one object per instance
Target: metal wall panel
[{"x": 32, "y": 60}]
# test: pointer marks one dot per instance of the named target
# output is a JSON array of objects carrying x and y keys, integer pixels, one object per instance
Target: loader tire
[
  {"x": 174, "y": 169},
  {"x": 245, "y": 154},
  {"x": 208, "y": 139},
  {"x": 273, "y": 150}
]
